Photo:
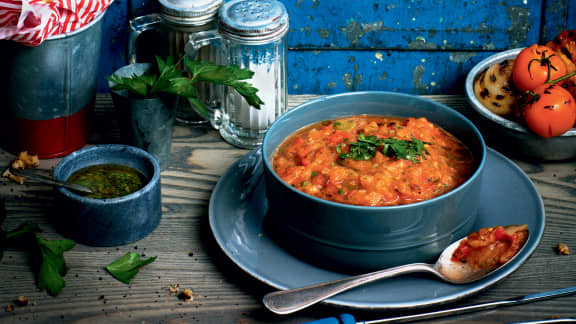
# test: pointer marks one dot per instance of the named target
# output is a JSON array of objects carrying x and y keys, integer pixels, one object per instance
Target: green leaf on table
[
  {"x": 53, "y": 266},
  {"x": 26, "y": 227},
  {"x": 47, "y": 255},
  {"x": 127, "y": 266}
]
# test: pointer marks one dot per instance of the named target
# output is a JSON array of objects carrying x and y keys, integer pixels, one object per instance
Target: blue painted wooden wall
[{"x": 410, "y": 46}]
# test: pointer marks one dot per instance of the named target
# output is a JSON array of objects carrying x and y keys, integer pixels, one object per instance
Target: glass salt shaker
[
  {"x": 177, "y": 20},
  {"x": 252, "y": 35}
]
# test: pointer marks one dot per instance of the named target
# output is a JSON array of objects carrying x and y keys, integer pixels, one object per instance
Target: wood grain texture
[{"x": 189, "y": 256}]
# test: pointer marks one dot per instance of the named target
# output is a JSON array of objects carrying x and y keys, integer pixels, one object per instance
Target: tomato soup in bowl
[{"x": 367, "y": 180}]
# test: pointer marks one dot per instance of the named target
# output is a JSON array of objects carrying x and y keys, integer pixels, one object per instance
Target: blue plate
[{"x": 238, "y": 206}]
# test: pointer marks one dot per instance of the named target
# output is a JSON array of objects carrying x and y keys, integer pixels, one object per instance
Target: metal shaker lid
[
  {"x": 189, "y": 12},
  {"x": 253, "y": 20}
]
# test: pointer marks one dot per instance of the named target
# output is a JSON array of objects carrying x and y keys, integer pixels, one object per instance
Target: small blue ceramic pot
[
  {"x": 358, "y": 238},
  {"x": 115, "y": 221}
]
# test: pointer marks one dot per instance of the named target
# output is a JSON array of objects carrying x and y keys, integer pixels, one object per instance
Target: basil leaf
[{"x": 127, "y": 266}]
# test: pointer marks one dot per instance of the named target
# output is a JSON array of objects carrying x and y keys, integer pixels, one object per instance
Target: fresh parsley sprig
[
  {"x": 366, "y": 147},
  {"x": 167, "y": 78},
  {"x": 47, "y": 255}
]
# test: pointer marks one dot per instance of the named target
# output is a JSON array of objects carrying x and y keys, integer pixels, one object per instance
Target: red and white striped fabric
[{"x": 31, "y": 21}]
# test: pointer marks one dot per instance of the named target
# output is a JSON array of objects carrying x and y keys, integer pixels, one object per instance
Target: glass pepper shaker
[
  {"x": 176, "y": 21},
  {"x": 252, "y": 35}
]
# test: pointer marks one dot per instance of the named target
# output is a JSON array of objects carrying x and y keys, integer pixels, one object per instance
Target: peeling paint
[
  {"x": 332, "y": 85},
  {"x": 355, "y": 31},
  {"x": 347, "y": 79},
  {"x": 352, "y": 82},
  {"x": 419, "y": 86},
  {"x": 323, "y": 33},
  {"x": 305, "y": 30},
  {"x": 378, "y": 56},
  {"x": 298, "y": 3},
  {"x": 316, "y": 53},
  {"x": 520, "y": 26},
  {"x": 315, "y": 3},
  {"x": 461, "y": 57},
  {"x": 489, "y": 46},
  {"x": 383, "y": 76},
  {"x": 420, "y": 43}
]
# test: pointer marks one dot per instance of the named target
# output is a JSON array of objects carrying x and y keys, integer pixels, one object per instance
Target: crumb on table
[
  {"x": 186, "y": 295},
  {"x": 562, "y": 249},
  {"x": 25, "y": 160}
]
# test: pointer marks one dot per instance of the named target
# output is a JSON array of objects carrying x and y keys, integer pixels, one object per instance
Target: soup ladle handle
[{"x": 293, "y": 300}]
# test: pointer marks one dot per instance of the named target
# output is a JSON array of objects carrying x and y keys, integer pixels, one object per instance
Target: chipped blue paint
[
  {"x": 412, "y": 46},
  {"x": 417, "y": 72},
  {"x": 375, "y": 24}
]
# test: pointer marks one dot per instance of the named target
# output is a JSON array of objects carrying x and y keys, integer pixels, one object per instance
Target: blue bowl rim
[
  {"x": 296, "y": 109},
  {"x": 109, "y": 147}
]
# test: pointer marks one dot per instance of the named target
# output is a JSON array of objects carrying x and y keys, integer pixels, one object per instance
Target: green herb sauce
[{"x": 109, "y": 180}]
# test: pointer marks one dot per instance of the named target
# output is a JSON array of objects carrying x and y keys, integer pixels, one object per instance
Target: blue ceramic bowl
[
  {"x": 358, "y": 238},
  {"x": 115, "y": 221}
]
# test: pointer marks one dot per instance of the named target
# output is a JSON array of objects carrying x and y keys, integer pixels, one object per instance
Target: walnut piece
[
  {"x": 186, "y": 295},
  {"x": 16, "y": 178},
  {"x": 21, "y": 301},
  {"x": 25, "y": 160},
  {"x": 562, "y": 249}
]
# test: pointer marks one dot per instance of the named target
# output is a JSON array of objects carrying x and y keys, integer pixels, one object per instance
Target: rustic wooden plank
[
  {"x": 558, "y": 15},
  {"x": 413, "y": 25},
  {"x": 224, "y": 293},
  {"x": 417, "y": 72}
]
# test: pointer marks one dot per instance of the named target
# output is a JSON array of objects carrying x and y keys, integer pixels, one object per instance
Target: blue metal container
[{"x": 48, "y": 91}]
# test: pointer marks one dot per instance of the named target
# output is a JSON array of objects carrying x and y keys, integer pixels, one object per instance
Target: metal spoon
[
  {"x": 292, "y": 300},
  {"x": 44, "y": 179}
]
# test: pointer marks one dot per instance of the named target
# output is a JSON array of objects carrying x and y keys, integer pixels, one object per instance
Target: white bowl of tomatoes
[{"x": 535, "y": 124}]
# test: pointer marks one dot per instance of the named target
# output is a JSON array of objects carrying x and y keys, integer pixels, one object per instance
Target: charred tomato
[
  {"x": 551, "y": 111},
  {"x": 536, "y": 65}
]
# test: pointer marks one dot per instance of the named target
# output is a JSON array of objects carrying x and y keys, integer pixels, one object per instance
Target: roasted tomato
[
  {"x": 535, "y": 65},
  {"x": 551, "y": 111}
]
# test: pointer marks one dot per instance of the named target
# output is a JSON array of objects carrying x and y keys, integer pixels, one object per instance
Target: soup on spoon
[{"x": 466, "y": 260}]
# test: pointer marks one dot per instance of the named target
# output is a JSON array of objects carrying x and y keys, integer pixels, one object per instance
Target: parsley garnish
[
  {"x": 167, "y": 78},
  {"x": 367, "y": 146}
]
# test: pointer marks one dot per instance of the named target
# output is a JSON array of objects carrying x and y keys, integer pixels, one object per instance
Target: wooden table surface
[{"x": 189, "y": 256}]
